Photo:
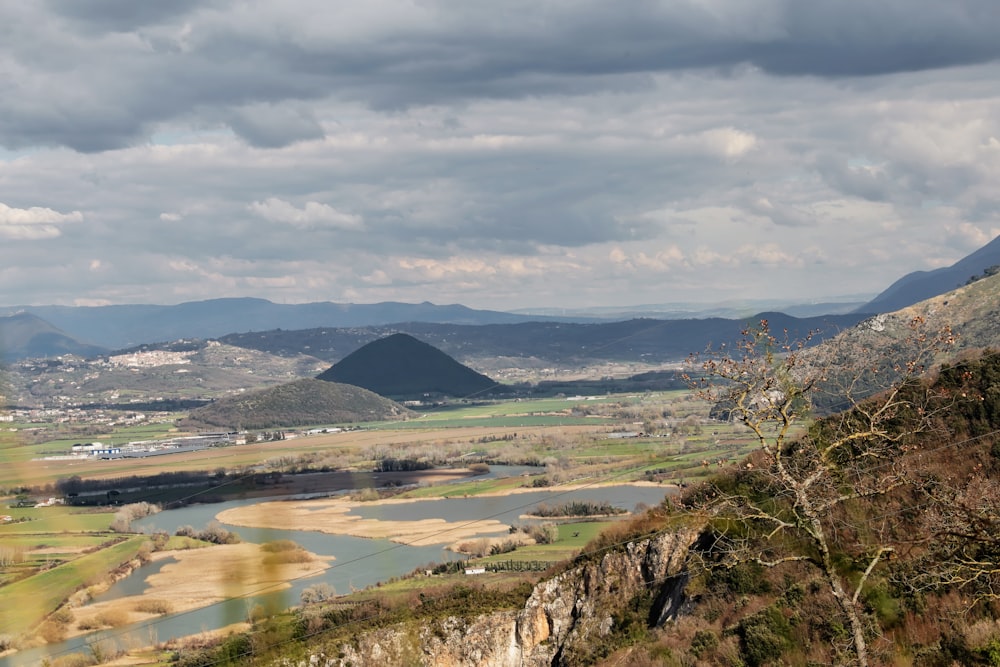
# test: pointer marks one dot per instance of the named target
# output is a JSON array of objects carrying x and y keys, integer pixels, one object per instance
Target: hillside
[
  {"x": 551, "y": 343},
  {"x": 185, "y": 370},
  {"x": 300, "y": 403},
  {"x": 25, "y": 336},
  {"x": 691, "y": 583},
  {"x": 972, "y": 312},
  {"x": 920, "y": 285},
  {"x": 127, "y": 325},
  {"x": 400, "y": 366}
]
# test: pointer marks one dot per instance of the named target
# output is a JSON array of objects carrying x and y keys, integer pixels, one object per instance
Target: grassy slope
[{"x": 25, "y": 603}]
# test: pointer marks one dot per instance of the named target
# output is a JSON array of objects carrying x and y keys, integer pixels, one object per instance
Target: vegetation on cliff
[{"x": 909, "y": 536}]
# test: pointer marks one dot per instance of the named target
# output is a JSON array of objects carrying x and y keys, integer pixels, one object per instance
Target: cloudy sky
[{"x": 502, "y": 155}]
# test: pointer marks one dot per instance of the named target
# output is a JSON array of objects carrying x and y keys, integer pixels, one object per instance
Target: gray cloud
[
  {"x": 268, "y": 126},
  {"x": 121, "y": 15},
  {"x": 187, "y": 57},
  {"x": 501, "y": 156}
]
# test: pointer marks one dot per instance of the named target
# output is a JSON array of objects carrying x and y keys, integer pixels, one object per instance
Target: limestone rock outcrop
[{"x": 559, "y": 620}]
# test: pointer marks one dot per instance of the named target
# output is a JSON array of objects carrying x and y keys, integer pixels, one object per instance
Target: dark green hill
[
  {"x": 299, "y": 403},
  {"x": 400, "y": 366}
]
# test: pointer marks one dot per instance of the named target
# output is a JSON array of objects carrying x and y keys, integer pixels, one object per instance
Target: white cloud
[
  {"x": 970, "y": 236},
  {"x": 35, "y": 223},
  {"x": 312, "y": 216},
  {"x": 35, "y": 215},
  {"x": 728, "y": 142}
]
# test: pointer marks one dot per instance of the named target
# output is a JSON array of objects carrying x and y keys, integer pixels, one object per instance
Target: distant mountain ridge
[
  {"x": 921, "y": 285},
  {"x": 547, "y": 342},
  {"x": 117, "y": 327},
  {"x": 400, "y": 366}
]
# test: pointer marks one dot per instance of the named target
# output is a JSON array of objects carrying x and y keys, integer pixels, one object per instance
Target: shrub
[
  {"x": 703, "y": 642},
  {"x": 741, "y": 579},
  {"x": 153, "y": 606},
  {"x": 72, "y": 660},
  {"x": 317, "y": 593},
  {"x": 213, "y": 532},
  {"x": 112, "y": 618},
  {"x": 544, "y": 533},
  {"x": 52, "y": 632},
  {"x": 578, "y": 508},
  {"x": 766, "y": 635},
  {"x": 299, "y": 555},
  {"x": 160, "y": 539},
  {"x": 62, "y": 616},
  {"x": 122, "y": 523},
  {"x": 506, "y": 546},
  {"x": 276, "y": 546}
]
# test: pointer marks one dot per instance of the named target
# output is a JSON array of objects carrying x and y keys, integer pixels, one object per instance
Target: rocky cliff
[{"x": 562, "y": 621}]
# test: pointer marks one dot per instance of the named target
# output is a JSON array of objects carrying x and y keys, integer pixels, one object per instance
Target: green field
[
  {"x": 573, "y": 537},
  {"x": 569, "y": 440},
  {"x": 456, "y": 421},
  {"x": 473, "y": 488},
  {"x": 24, "y": 603}
]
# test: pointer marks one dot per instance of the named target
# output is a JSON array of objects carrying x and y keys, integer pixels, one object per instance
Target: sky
[{"x": 502, "y": 155}]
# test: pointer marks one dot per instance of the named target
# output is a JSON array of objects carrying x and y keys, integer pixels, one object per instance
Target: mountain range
[
  {"x": 920, "y": 285},
  {"x": 332, "y": 330}
]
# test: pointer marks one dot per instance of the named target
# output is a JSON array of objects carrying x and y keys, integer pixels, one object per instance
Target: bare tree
[
  {"x": 804, "y": 481},
  {"x": 964, "y": 554}
]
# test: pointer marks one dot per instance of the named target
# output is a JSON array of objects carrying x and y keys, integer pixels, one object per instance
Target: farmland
[{"x": 652, "y": 438}]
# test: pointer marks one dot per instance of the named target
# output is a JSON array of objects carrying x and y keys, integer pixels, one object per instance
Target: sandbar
[
  {"x": 200, "y": 577},
  {"x": 332, "y": 515}
]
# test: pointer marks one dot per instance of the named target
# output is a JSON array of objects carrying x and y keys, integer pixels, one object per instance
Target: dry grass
[
  {"x": 333, "y": 516},
  {"x": 226, "y": 571}
]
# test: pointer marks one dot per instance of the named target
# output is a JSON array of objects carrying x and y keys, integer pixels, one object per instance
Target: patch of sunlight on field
[
  {"x": 473, "y": 488},
  {"x": 485, "y": 421},
  {"x": 23, "y": 604},
  {"x": 56, "y": 519}
]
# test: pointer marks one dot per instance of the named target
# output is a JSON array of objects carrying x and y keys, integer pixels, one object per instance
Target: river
[{"x": 359, "y": 563}]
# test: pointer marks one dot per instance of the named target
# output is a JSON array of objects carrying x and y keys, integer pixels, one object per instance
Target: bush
[
  {"x": 703, "y": 642},
  {"x": 299, "y": 555},
  {"x": 766, "y": 635},
  {"x": 506, "y": 546},
  {"x": 122, "y": 523},
  {"x": 318, "y": 593},
  {"x": 213, "y": 532},
  {"x": 73, "y": 660},
  {"x": 276, "y": 546},
  {"x": 62, "y": 616},
  {"x": 112, "y": 618},
  {"x": 578, "y": 508},
  {"x": 52, "y": 632},
  {"x": 153, "y": 606},
  {"x": 544, "y": 533}
]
